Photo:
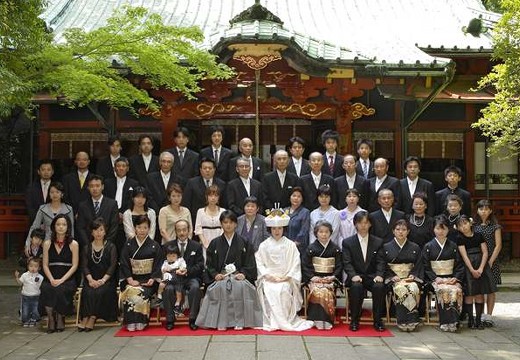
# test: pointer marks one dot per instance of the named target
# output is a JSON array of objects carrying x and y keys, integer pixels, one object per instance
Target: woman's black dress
[
  {"x": 60, "y": 297},
  {"x": 102, "y": 301}
]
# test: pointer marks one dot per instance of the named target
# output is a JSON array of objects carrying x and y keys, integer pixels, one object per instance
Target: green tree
[
  {"x": 500, "y": 120},
  {"x": 115, "y": 64}
]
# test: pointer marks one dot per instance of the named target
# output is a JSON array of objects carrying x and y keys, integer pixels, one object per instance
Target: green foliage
[
  {"x": 139, "y": 47},
  {"x": 500, "y": 120},
  {"x": 493, "y": 5}
]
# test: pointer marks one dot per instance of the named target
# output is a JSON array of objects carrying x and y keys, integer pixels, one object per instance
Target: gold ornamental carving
[
  {"x": 310, "y": 110},
  {"x": 358, "y": 110},
  {"x": 156, "y": 114},
  {"x": 258, "y": 63},
  {"x": 204, "y": 110}
]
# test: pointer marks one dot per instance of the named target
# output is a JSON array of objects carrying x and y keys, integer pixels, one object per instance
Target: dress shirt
[
  {"x": 166, "y": 178},
  {"x": 147, "y": 160},
  {"x": 380, "y": 182},
  {"x": 45, "y": 189},
  {"x": 182, "y": 246},
  {"x": 297, "y": 165},
  {"x": 247, "y": 185},
  {"x": 216, "y": 154},
  {"x": 387, "y": 214},
  {"x": 281, "y": 176},
  {"x": 412, "y": 184},
  {"x": 250, "y": 159},
  {"x": 99, "y": 201},
  {"x": 82, "y": 178},
  {"x": 317, "y": 179},
  {"x": 351, "y": 180},
  {"x": 119, "y": 191},
  {"x": 363, "y": 242},
  {"x": 113, "y": 159}
]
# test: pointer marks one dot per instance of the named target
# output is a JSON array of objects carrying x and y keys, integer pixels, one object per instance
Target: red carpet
[{"x": 183, "y": 330}]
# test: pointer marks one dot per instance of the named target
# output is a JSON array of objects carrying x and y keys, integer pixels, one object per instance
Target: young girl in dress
[
  {"x": 474, "y": 253},
  {"x": 486, "y": 224}
]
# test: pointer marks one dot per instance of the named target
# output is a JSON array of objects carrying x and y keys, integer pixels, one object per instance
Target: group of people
[{"x": 167, "y": 225}]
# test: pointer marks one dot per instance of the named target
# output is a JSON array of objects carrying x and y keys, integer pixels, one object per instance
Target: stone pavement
[{"x": 501, "y": 342}]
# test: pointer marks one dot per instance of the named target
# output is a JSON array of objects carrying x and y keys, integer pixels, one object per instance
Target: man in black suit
[
  {"x": 351, "y": 180},
  {"x": 160, "y": 181},
  {"x": 381, "y": 180},
  {"x": 186, "y": 160},
  {"x": 145, "y": 163},
  {"x": 96, "y": 206},
  {"x": 245, "y": 146},
  {"x": 76, "y": 182},
  {"x": 240, "y": 188},
  {"x": 297, "y": 164},
  {"x": 106, "y": 165},
  {"x": 220, "y": 154},
  {"x": 191, "y": 251},
  {"x": 332, "y": 161},
  {"x": 364, "y": 166},
  {"x": 38, "y": 191},
  {"x": 312, "y": 182},
  {"x": 364, "y": 264},
  {"x": 453, "y": 176},
  {"x": 194, "y": 196},
  {"x": 412, "y": 184},
  {"x": 383, "y": 220},
  {"x": 277, "y": 185},
  {"x": 119, "y": 189}
]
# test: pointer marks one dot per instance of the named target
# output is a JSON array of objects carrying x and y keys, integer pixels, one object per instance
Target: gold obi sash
[
  {"x": 401, "y": 270},
  {"x": 141, "y": 267},
  {"x": 443, "y": 267},
  {"x": 323, "y": 265}
]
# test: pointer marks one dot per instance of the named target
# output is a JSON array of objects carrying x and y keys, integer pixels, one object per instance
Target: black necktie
[
  {"x": 181, "y": 156},
  {"x": 216, "y": 157}
]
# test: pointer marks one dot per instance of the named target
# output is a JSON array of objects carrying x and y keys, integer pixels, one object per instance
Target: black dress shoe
[
  {"x": 80, "y": 329},
  {"x": 353, "y": 326},
  {"x": 169, "y": 326},
  {"x": 193, "y": 326},
  {"x": 379, "y": 326},
  {"x": 87, "y": 329}
]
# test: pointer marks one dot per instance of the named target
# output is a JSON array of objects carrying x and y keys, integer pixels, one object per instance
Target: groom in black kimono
[
  {"x": 191, "y": 251},
  {"x": 365, "y": 266}
]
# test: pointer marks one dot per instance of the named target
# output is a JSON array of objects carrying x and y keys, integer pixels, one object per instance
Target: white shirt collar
[
  {"x": 382, "y": 179},
  {"x": 350, "y": 178},
  {"x": 98, "y": 200},
  {"x": 146, "y": 157},
  {"x": 412, "y": 181},
  {"x": 121, "y": 180},
  {"x": 214, "y": 148},
  {"x": 85, "y": 174},
  {"x": 361, "y": 238},
  {"x": 387, "y": 213},
  {"x": 167, "y": 175}
]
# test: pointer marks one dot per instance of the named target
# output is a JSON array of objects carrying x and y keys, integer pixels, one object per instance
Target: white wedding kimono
[{"x": 280, "y": 300}]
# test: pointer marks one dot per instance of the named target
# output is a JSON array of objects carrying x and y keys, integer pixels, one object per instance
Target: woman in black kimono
[
  {"x": 141, "y": 260},
  {"x": 322, "y": 270},
  {"x": 421, "y": 224},
  {"x": 444, "y": 273},
  {"x": 60, "y": 262},
  {"x": 404, "y": 273},
  {"x": 98, "y": 264},
  {"x": 231, "y": 300}
]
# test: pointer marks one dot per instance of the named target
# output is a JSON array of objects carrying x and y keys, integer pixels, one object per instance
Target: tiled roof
[{"x": 389, "y": 32}]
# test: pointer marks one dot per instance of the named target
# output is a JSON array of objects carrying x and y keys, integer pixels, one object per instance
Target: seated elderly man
[{"x": 279, "y": 278}]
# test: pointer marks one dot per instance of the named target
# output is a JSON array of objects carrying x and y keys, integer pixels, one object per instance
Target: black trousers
[
  {"x": 192, "y": 289},
  {"x": 356, "y": 297}
]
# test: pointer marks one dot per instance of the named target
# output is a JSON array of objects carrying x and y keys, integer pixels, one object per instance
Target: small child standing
[
  {"x": 486, "y": 224},
  {"x": 479, "y": 282},
  {"x": 173, "y": 262},
  {"x": 35, "y": 249},
  {"x": 31, "y": 281}
]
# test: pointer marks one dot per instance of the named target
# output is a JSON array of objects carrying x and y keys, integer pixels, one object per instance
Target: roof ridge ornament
[
  {"x": 475, "y": 27},
  {"x": 256, "y": 12}
]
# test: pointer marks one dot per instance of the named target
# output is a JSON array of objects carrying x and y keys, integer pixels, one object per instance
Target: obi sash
[
  {"x": 141, "y": 266},
  {"x": 323, "y": 265},
  {"x": 401, "y": 270},
  {"x": 443, "y": 267}
]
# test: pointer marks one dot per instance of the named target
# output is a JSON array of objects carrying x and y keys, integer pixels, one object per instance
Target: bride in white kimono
[{"x": 279, "y": 278}]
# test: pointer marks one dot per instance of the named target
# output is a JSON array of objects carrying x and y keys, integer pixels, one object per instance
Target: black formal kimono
[
  {"x": 230, "y": 302},
  {"x": 140, "y": 263},
  {"x": 405, "y": 262},
  {"x": 445, "y": 262},
  {"x": 322, "y": 262}
]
